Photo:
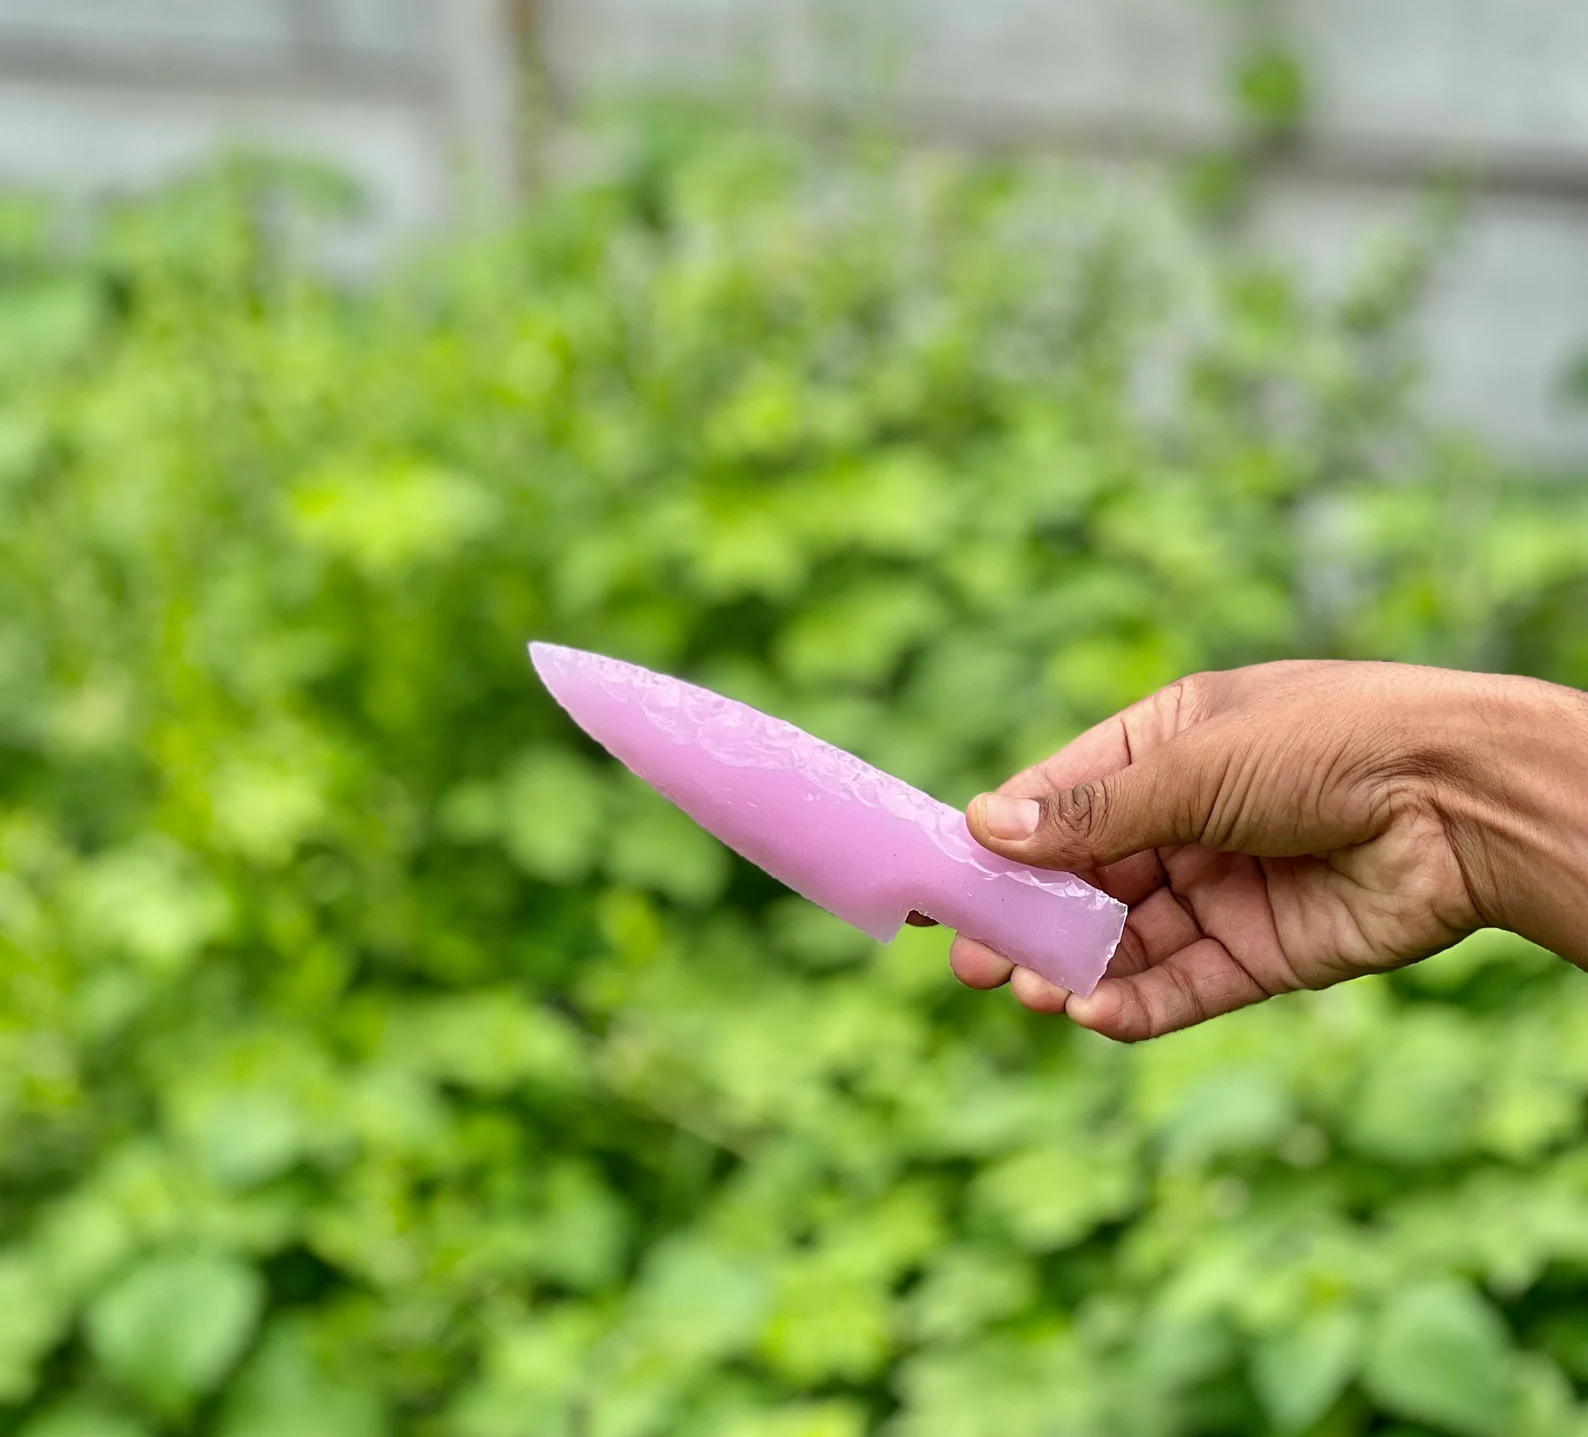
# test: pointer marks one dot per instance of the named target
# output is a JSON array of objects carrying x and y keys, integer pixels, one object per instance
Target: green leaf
[
  {"x": 80, "y": 1241},
  {"x": 285, "y": 1392},
  {"x": 1419, "y": 1104},
  {"x": 827, "y": 1325},
  {"x": 653, "y": 845},
  {"x": 386, "y": 517},
  {"x": 1176, "y": 1352},
  {"x": 247, "y": 1137},
  {"x": 1438, "y": 1353},
  {"x": 152, "y": 902},
  {"x": 83, "y": 1417},
  {"x": 744, "y": 546},
  {"x": 897, "y": 503},
  {"x": 967, "y": 1288},
  {"x": 471, "y": 813},
  {"x": 266, "y": 804},
  {"x": 1272, "y": 86},
  {"x": 1099, "y": 675},
  {"x": 1229, "y": 1112},
  {"x": 23, "y": 443},
  {"x": 171, "y": 1329},
  {"x": 1574, "y": 381},
  {"x": 535, "y": 1374},
  {"x": 800, "y": 1419},
  {"x": 1547, "y": 1402},
  {"x": 554, "y": 814},
  {"x": 1030, "y": 1382},
  {"x": 1051, "y": 1197},
  {"x": 256, "y": 1105},
  {"x": 858, "y": 635},
  {"x": 488, "y": 1040},
  {"x": 31, "y": 1323},
  {"x": 49, "y": 322},
  {"x": 697, "y": 1300},
  {"x": 1299, "y": 1374},
  {"x": 582, "y": 1236},
  {"x": 814, "y": 936}
]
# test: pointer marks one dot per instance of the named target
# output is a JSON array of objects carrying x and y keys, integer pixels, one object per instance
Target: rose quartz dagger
[{"x": 855, "y": 840}]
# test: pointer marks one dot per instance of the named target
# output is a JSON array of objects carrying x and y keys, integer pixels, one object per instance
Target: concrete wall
[
  {"x": 96, "y": 92},
  {"x": 1401, "y": 88},
  {"x": 411, "y": 95}
]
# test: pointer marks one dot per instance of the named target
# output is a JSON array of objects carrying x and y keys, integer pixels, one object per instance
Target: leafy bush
[{"x": 377, "y": 1058}]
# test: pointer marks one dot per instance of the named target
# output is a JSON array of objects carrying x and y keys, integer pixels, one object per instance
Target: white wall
[
  {"x": 409, "y": 95},
  {"x": 96, "y": 92},
  {"x": 1401, "y": 87}
]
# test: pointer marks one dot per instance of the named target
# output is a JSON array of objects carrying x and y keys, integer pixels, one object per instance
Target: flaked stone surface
[{"x": 861, "y": 843}]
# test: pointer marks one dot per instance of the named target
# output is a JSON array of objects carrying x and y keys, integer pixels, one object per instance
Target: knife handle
[{"x": 1049, "y": 922}]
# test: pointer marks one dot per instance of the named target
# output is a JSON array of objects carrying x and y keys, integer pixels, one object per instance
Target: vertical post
[{"x": 481, "y": 63}]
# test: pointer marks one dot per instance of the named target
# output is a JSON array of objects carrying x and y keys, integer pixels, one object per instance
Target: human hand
[{"x": 1294, "y": 824}]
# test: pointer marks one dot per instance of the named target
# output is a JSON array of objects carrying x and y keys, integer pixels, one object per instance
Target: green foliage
[
  {"x": 1268, "y": 79},
  {"x": 1440, "y": 1353},
  {"x": 172, "y": 1326},
  {"x": 1272, "y": 89},
  {"x": 375, "y": 1058}
]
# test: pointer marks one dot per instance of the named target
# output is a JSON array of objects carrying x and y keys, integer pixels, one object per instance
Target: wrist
[{"x": 1514, "y": 794}]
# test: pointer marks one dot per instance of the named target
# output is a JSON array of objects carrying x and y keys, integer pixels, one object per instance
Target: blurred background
[{"x": 377, "y": 1058}]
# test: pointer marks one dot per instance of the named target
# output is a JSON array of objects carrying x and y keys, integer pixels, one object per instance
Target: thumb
[{"x": 1164, "y": 799}]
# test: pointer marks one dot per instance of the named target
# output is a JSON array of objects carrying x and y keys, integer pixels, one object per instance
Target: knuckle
[
  {"x": 1190, "y": 699},
  {"x": 1189, "y": 1006},
  {"x": 1133, "y": 1022}
]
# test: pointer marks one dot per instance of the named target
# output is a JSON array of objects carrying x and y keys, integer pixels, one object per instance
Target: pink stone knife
[{"x": 859, "y": 842}]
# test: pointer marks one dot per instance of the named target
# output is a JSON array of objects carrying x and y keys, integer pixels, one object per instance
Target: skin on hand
[{"x": 1295, "y": 824}]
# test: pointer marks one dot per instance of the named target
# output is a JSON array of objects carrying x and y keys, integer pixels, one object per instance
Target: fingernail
[{"x": 1010, "y": 818}]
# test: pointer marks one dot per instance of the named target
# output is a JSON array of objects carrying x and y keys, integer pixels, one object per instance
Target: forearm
[{"x": 1516, "y": 798}]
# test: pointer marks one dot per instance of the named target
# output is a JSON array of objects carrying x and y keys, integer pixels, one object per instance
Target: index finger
[
  {"x": 1116, "y": 742},
  {"x": 1107, "y": 747}
]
